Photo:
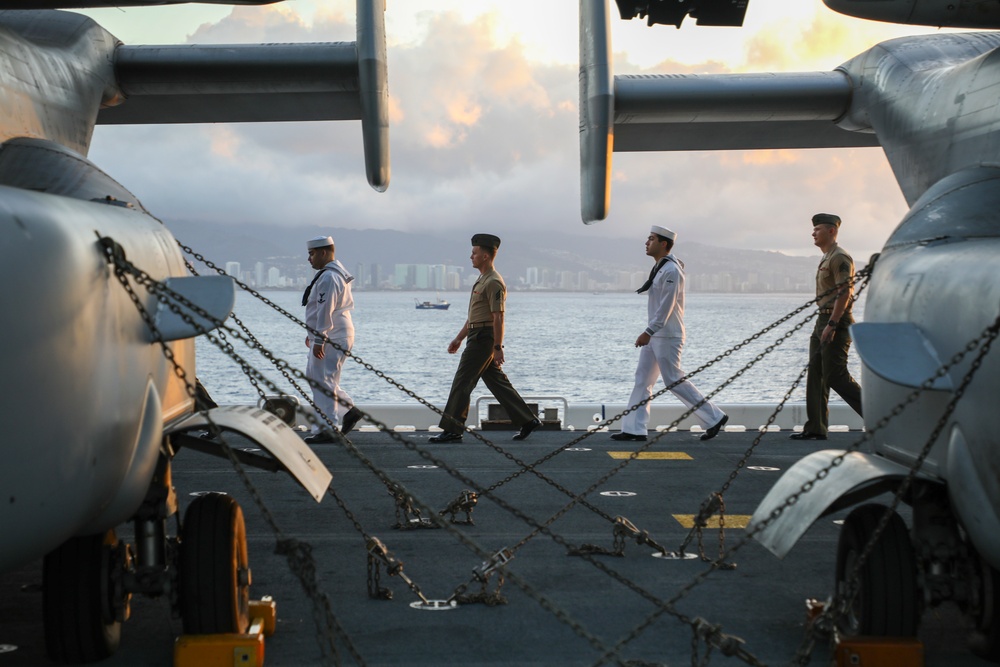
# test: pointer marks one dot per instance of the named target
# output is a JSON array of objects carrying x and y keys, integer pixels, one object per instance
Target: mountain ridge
[{"x": 600, "y": 258}]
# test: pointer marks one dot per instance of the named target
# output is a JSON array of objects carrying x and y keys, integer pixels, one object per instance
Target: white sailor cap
[
  {"x": 664, "y": 232},
  {"x": 319, "y": 242}
]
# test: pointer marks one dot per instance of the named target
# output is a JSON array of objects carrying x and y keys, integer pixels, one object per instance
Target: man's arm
[
  {"x": 840, "y": 305},
  {"x": 666, "y": 305},
  {"x": 498, "y": 337},
  {"x": 327, "y": 292},
  {"x": 457, "y": 340}
]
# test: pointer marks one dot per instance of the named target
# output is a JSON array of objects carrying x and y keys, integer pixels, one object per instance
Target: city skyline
[
  {"x": 390, "y": 259},
  {"x": 444, "y": 278}
]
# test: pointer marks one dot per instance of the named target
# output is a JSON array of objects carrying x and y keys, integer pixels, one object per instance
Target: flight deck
[{"x": 557, "y": 609}]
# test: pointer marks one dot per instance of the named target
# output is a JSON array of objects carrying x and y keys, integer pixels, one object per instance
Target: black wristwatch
[
  {"x": 498, "y": 347},
  {"x": 832, "y": 323}
]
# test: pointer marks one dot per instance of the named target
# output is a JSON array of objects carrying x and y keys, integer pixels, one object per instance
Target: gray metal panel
[
  {"x": 46, "y": 166},
  {"x": 900, "y": 353},
  {"x": 272, "y": 434},
  {"x": 374, "y": 91},
  {"x": 857, "y": 470},
  {"x": 235, "y": 83},
  {"x": 977, "y": 14},
  {"x": 733, "y": 112},
  {"x": 215, "y": 295},
  {"x": 972, "y": 487},
  {"x": 737, "y": 136},
  {"x": 596, "y": 110},
  {"x": 688, "y": 98}
]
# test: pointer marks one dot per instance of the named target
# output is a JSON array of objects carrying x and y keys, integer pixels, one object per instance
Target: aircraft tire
[
  {"x": 76, "y": 605},
  {"x": 887, "y": 603},
  {"x": 214, "y": 594},
  {"x": 985, "y": 640}
]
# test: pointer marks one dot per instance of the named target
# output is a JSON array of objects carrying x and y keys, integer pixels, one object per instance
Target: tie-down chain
[
  {"x": 482, "y": 574},
  {"x": 160, "y": 291}
]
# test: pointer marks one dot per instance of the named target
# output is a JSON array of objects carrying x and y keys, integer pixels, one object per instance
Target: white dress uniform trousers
[
  {"x": 662, "y": 356},
  {"x": 328, "y": 311}
]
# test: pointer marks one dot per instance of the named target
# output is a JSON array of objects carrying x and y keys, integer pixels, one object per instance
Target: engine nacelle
[{"x": 980, "y": 14}]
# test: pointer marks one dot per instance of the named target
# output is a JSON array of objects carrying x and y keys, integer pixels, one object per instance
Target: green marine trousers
[
  {"x": 828, "y": 370},
  {"x": 476, "y": 363}
]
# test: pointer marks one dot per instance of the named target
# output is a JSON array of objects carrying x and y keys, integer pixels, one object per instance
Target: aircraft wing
[
  {"x": 263, "y": 83},
  {"x": 696, "y": 112},
  {"x": 235, "y": 83},
  {"x": 733, "y": 112}
]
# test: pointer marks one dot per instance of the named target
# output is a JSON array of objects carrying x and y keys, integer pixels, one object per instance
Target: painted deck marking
[
  {"x": 660, "y": 456},
  {"x": 732, "y": 520}
]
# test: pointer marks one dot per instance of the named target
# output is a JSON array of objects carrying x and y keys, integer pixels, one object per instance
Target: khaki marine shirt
[
  {"x": 488, "y": 297},
  {"x": 836, "y": 268}
]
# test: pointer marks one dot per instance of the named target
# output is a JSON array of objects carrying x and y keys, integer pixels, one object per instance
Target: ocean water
[{"x": 578, "y": 346}]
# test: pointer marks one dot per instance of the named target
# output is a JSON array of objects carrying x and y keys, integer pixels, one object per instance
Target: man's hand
[
  {"x": 827, "y": 334},
  {"x": 498, "y": 357},
  {"x": 318, "y": 351},
  {"x": 454, "y": 345},
  {"x": 642, "y": 340}
]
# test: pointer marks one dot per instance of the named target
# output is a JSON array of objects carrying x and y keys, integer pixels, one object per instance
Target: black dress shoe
[
  {"x": 628, "y": 436},
  {"x": 320, "y": 438},
  {"x": 805, "y": 435},
  {"x": 352, "y": 417},
  {"x": 527, "y": 428},
  {"x": 714, "y": 431},
  {"x": 446, "y": 436}
]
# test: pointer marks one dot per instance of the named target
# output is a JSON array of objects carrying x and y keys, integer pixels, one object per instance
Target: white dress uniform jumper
[
  {"x": 662, "y": 356},
  {"x": 329, "y": 303}
]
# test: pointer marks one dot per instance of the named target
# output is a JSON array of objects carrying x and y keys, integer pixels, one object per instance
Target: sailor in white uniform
[
  {"x": 661, "y": 344},
  {"x": 329, "y": 302}
]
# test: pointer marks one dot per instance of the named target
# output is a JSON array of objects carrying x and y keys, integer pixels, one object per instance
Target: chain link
[
  {"x": 285, "y": 546},
  {"x": 841, "y": 602},
  {"x": 711, "y": 636},
  {"x": 543, "y": 528},
  {"x": 299, "y": 555}
]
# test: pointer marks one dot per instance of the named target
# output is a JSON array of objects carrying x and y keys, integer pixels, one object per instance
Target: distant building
[
  {"x": 360, "y": 279},
  {"x": 422, "y": 276},
  {"x": 258, "y": 274},
  {"x": 274, "y": 277},
  {"x": 438, "y": 276},
  {"x": 375, "y": 275},
  {"x": 233, "y": 269},
  {"x": 411, "y": 276}
]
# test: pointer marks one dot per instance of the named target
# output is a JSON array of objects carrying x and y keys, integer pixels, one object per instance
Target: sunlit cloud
[
  {"x": 224, "y": 143},
  {"x": 769, "y": 157},
  {"x": 484, "y": 133},
  {"x": 462, "y": 110}
]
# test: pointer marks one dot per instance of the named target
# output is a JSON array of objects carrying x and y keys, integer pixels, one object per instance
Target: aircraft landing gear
[
  {"x": 204, "y": 573},
  {"x": 886, "y": 602},
  {"x": 84, "y": 602},
  {"x": 214, "y": 567},
  {"x": 985, "y": 640}
]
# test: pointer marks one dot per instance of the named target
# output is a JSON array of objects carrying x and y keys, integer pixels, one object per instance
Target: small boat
[{"x": 427, "y": 305}]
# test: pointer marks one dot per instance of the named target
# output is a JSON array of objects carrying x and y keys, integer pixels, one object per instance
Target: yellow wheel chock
[{"x": 230, "y": 650}]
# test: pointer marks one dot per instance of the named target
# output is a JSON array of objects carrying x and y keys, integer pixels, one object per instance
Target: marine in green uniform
[
  {"x": 483, "y": 355},
  {"x": 830, "y": 339}
]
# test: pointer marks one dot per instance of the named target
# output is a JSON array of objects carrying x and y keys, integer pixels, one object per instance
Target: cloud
[{"x": 482, "y": 136}]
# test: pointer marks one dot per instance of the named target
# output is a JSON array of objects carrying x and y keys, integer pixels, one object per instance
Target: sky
[{"x": 484, "y": 129}]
